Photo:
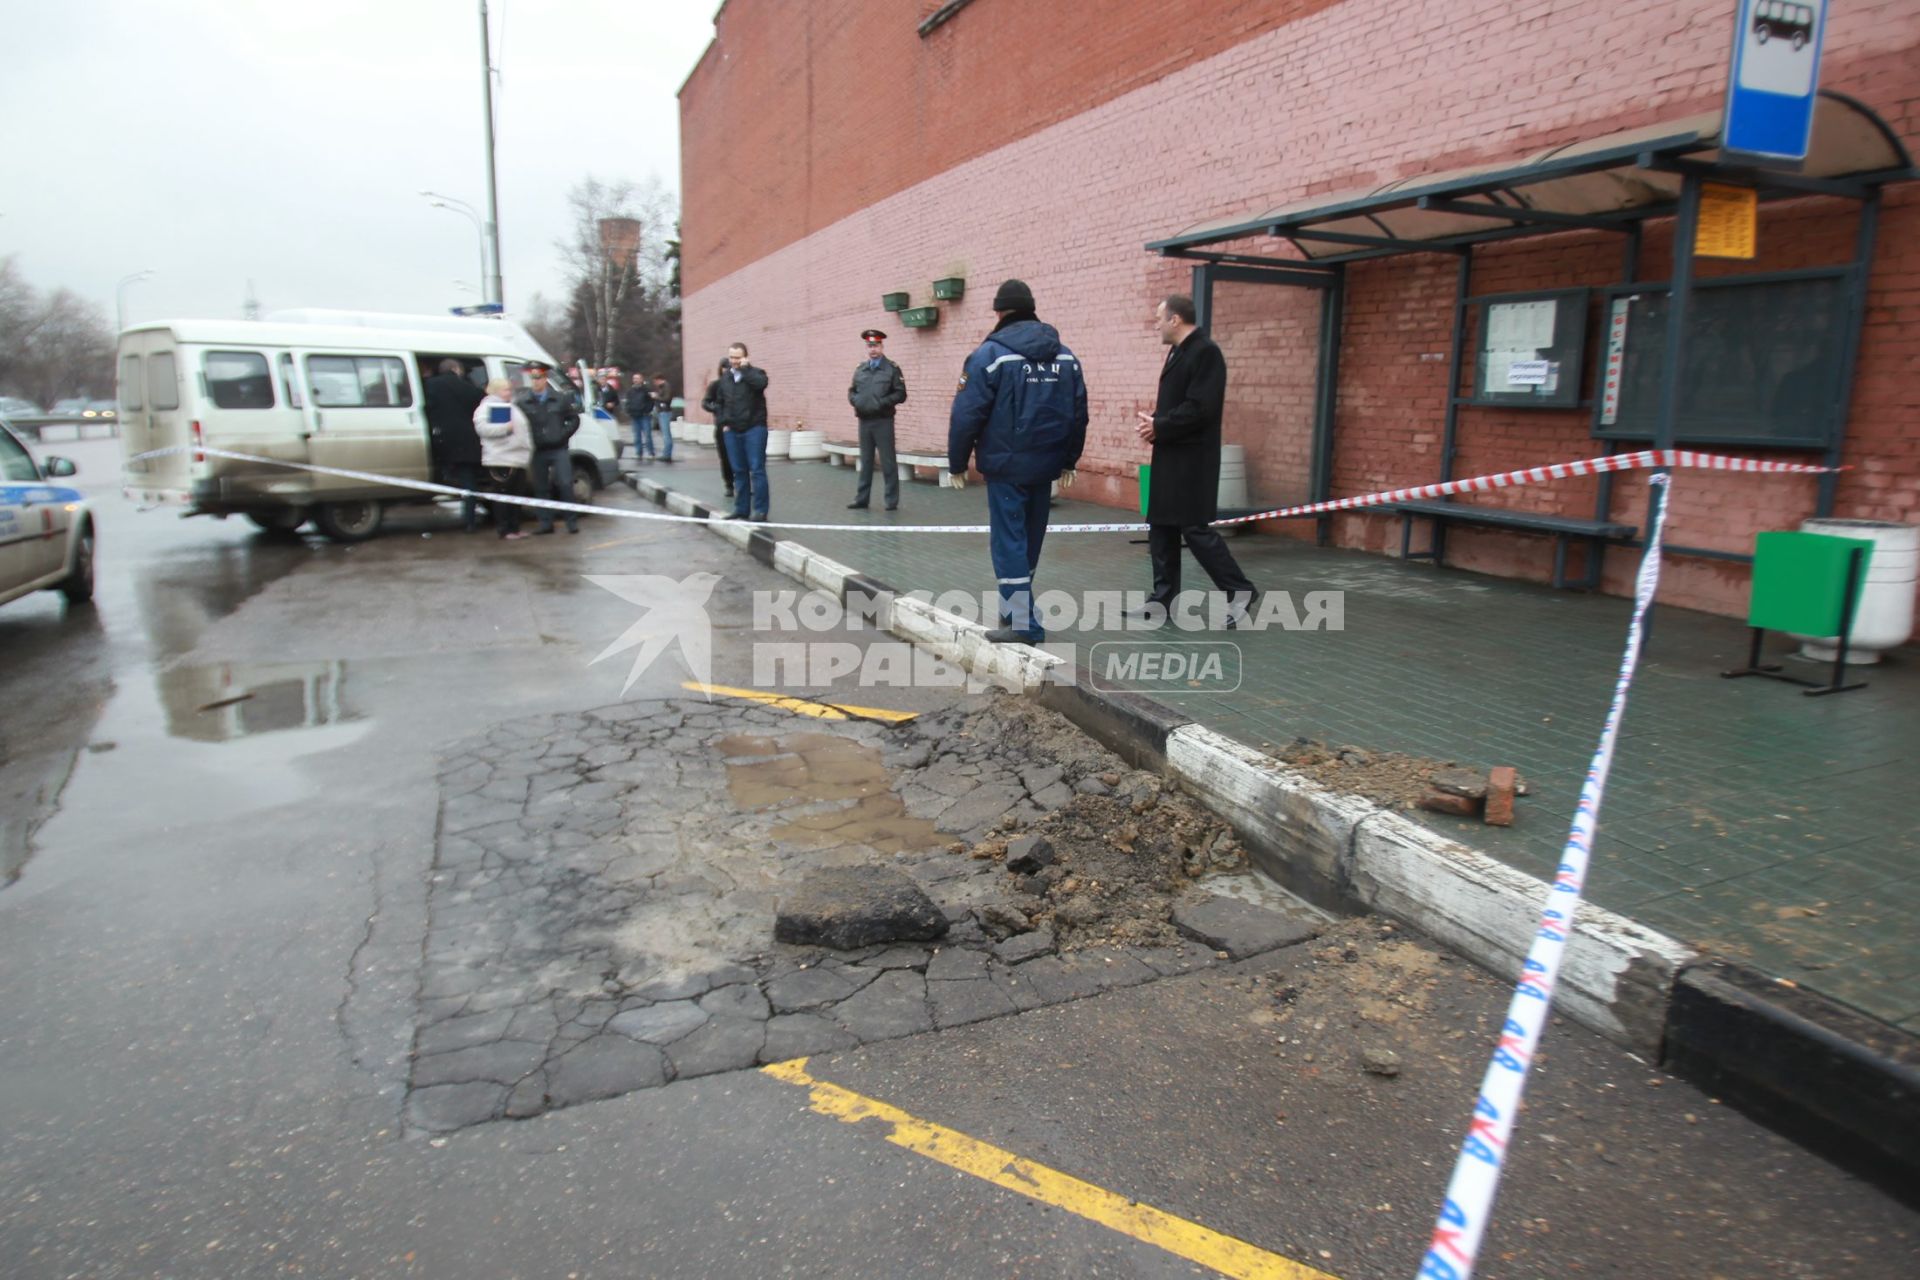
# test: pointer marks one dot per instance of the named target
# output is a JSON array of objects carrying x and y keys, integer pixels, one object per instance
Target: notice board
[
  {"x": 1764, "y": 361},
  {"x": 1529, "y": 348}
]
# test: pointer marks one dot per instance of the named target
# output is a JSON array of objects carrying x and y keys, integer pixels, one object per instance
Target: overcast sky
[{"x": 215, "y": 142}]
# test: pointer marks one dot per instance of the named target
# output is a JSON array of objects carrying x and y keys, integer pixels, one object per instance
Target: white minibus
[{"x": 326, "y": 388}]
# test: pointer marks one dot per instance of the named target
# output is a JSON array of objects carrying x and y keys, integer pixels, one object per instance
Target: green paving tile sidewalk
[{"x": 1741, "y": 817}]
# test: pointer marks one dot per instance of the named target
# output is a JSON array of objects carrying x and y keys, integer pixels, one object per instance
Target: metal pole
[
  {"x": 1679, "y": 296},
  {"x": 494, "y": 294},
  {"x": 1333, "y": 301}
]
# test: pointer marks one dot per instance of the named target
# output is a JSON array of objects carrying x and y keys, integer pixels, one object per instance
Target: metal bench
[{"x": 1444, "y": 511}]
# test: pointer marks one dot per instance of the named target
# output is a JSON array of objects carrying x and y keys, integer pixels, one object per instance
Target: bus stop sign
[{"x": 1776, "y": 71}]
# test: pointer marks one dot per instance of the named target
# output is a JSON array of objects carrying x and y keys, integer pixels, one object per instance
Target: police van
[
  {"x": 46, "y": 530},
  {"x": 336, "y": 389}
]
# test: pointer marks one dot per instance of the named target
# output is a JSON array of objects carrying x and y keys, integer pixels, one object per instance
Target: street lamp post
[
  {"x": 494, "y": 291},
  {"x": 461, "y": 206},
  {"x": 120, "y": 297}
]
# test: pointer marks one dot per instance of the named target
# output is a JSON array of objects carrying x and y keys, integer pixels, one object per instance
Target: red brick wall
[
  {"x": 803, "y": 112},
  {"x": 1357, "y": 94}
]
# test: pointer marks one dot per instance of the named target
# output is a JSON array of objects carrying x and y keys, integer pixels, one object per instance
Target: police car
[{"x": 46, "y": 530}]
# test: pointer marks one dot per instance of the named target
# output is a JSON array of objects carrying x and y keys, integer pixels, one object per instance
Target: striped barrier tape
[
  {"x": 1644, "y": 459},
  {"x": 1468, "y": 1206}
]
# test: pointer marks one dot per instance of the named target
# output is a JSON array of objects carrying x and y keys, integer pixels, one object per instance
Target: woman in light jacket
[{"x": 506, "y": 448}]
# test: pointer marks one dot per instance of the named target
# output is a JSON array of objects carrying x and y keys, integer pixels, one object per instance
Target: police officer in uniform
[{"x": 878, "y": 387}]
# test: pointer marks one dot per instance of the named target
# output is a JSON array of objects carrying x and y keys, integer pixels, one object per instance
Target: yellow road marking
[
  {"x": 618, "y": 542},
  {"x": 1189, "y": 1240},
  {"x": 803, "y": 706}
]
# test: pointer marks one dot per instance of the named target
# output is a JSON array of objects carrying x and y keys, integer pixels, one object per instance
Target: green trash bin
[{"x": 1146, "y": 479}]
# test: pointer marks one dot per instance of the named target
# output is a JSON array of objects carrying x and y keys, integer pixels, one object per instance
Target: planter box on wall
[
  {"x": 920, "y": 317},
  {"x": 952, "y": 289},
  {"x": 893, "y": 302}
]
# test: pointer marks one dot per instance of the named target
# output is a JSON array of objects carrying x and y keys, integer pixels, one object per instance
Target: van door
[
  {"x": 151, "y": 417},
  {"x": 363, "y": 413},
  {"x": 241, "y": 409}
]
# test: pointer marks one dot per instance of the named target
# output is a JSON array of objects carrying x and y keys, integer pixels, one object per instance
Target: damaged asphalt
[{"x": 226, "y": 933}]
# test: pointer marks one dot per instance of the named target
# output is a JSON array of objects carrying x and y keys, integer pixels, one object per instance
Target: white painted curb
[{"x": 1618, "y": 975}]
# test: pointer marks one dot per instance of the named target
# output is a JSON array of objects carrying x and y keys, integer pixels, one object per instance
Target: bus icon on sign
[{"x": 1779, "y": 20}]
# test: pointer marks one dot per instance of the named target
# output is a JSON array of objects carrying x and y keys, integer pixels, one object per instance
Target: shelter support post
[
  {"x": 1456, "y": 357},
  {"x": 1325, "y": 401},
  {"x": 1686, "y": 226}
]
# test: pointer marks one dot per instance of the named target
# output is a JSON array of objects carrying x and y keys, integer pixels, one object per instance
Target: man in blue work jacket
[{"x": 1020, "y": 415}]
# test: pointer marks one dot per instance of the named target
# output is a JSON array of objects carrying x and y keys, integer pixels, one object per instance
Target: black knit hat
[{"x": 1013, "y": 295}]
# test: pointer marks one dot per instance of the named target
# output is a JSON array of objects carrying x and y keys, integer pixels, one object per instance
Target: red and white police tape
[
  {"x": 1644, "y": 459},
  {"x": 1476, "y": 1174}
]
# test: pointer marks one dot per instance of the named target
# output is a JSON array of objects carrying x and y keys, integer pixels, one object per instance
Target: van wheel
[
  {"x": 77, "y": 587},
  {"x": 586, "y": 480},
  {"x": 349, "y": 521},
  {"x": 279, "y": 519}
]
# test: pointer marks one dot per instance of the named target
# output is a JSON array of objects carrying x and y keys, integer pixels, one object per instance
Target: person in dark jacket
[
  {"x": 640, "y": 410},
  {"x": 1020, "y": 415},
  {"x": 552, "y": 418},
  {"x": 742, "y": 397},
  {"x": 878, "y": 387},
  {"x": 663, "y": 415},
  {"x": 711, "y": 404},
  {"x": 451, "y": 399},
  {"x": 1182, "y": 500}
]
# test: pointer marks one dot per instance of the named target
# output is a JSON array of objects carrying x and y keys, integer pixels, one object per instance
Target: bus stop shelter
[{"x": 1616, "y": 183}]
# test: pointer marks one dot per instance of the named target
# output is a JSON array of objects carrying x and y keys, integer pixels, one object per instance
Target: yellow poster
[{"x": 1729, "y": 222}]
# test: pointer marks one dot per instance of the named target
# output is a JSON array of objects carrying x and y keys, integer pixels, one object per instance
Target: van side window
[
  {"x": 130, "y": 388},
  {"x": 288, "y": 387},
  {"x": 163, "y": 390},
  {"x": 348, "y": 382},
  {"x": 239, "y": 380}
]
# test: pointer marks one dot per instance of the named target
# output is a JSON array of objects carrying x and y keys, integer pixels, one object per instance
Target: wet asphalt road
[{"x": 213, "y": 934}]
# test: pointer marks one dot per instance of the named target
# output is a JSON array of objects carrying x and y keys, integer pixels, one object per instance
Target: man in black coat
[
  {"x": 741, "y": 393},
  {"x": 451, "y": 400},
  {"x": 640, "y": 412},
  {"x": 1182, "y": 500}
]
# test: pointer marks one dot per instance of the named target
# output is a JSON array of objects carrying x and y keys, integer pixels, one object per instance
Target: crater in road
[{"x": 600, "y": 917}]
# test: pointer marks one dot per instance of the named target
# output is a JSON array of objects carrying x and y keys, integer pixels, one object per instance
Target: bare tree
[
  {"x": 617, "y": 259},
  {"x": 68, "y": 350},
  {"x": 53, "y": 345}
]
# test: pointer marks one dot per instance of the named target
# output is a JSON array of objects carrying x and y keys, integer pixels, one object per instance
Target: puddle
[
  {"x": 809, "y": 769},
  {"x": 229, "y": 700}
]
